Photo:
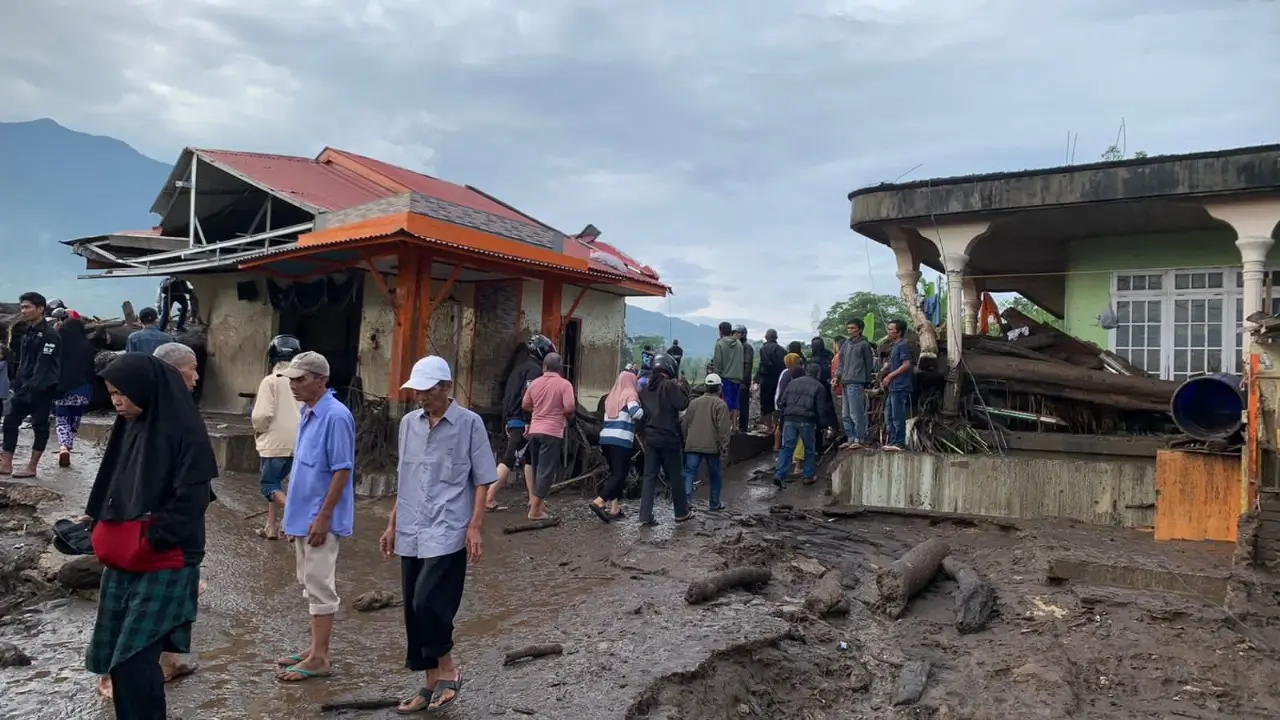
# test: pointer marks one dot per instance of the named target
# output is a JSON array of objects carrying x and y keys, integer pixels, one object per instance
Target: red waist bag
[{"x": 124, "y": 546}]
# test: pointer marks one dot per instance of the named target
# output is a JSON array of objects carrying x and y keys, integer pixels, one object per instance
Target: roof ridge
[{"x": 247, "y": 153}]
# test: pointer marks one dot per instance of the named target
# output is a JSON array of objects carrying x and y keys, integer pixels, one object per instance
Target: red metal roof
[{"x": 320, "y": 185}]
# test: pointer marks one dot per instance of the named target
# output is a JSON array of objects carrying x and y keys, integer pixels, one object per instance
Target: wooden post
[
  {"x": 568, "y": 315},
  {"x": 408, "y": 300},
  {"x": 552, "y": 308}
]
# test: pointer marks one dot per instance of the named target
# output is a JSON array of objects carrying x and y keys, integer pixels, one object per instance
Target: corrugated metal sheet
[
  {"x": 1120, "y": 493},
  {"x": 319, "y": 185}
]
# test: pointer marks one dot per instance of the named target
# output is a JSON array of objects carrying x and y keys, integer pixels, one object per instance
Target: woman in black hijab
[
  {"x": 148, "y": 505},
  {"x": 75, "y": 385}
]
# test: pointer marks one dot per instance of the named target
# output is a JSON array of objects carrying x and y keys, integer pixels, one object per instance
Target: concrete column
[
  {"x": 955, "y": 264},
  {"x": 1254, "y": 221},
  {"x": 972, "y": 302},
  {"x": 909, "y": 278}
]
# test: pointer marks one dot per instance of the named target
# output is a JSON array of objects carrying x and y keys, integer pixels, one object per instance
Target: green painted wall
[{"x": 1090, "y": 263}]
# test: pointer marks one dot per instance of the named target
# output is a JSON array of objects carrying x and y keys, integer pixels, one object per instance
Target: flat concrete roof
[{"x": 1203, "y": 174}]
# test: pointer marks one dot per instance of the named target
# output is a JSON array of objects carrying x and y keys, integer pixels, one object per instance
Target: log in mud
[
  {"x": 532, "y": 652},
  {"x": 975, "y": 598},
  {"x": 710, "y": 588},
  {"x": 903, "y": 578}
]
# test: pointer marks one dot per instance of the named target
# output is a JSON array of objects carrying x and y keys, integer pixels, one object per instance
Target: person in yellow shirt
[{"x": 275, "y": 429}]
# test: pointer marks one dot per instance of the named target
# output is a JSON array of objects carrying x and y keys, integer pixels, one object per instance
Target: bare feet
[
  {"x": 28, "y": 472},
  {"x": 288, "y": 660},
  {"x": 64, "y": 457}
]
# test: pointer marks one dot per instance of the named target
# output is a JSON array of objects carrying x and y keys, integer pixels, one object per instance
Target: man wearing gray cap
[{"x": 320, "y": 508}]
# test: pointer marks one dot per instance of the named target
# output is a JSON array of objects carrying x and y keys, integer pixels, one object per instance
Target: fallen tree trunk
[
  {"x": 975, "y": 598},
  {"x": 531, "y": 525},
  {"x": 114, "y": 335},
  {"x": 531, "y": 652},
  {"x": 1105, "y": 399},
  {"x": 827, "y": 596},
  {"x": 993, "y": 367},
  {"x": 899, "y": 581},
  {"x": 707, "y": 589}
]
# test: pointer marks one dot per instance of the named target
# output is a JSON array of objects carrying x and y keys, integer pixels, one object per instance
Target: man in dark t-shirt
[
  {"x": 676, "y": 352},
  {"x": 899, "y": 381}
]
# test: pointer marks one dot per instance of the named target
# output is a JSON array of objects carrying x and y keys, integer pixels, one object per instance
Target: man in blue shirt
[
  {"x": 900, "y": 383},
  {"x": 446, "y": 467},
  {"x": 320, "y": 508},
  {"x": 149, "y": 337}
]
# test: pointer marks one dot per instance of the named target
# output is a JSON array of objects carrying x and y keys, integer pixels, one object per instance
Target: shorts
[
  {"x": 317, "y": 573},
  {"x": 546, "y": 455},
  {"x": 730, "y": 393},
  {"x": 516, "y": 441},
  {"x": 272, "y": 474}
]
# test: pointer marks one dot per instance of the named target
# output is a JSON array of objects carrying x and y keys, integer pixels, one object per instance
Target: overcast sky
[{"x": 714, "y": 139}]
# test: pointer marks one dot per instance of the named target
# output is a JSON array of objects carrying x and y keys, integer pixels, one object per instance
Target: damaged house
[
  {"x": 374, "y": 266},
  {"x": 1152, "y": 265}
]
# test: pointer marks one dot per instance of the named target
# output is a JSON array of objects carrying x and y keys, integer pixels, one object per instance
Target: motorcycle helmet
[
  {"x": 54, "y": 304},
  {"x": 740, "y": 329},
  {"x": 540, "y": 347},
  {"x": 667, "y": 365},
  {"x": 282, "y": 349}
]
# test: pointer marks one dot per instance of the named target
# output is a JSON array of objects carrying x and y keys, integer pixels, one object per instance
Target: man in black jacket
[
  {"x": 663, "y": 400},
  {"x": 35, "y": 386},
  {"x": 515, "y": 419},
  {"x": 748, "y": 371},
  {"x": 805, "y": 406},
  {"x": 772, "y": 357}
]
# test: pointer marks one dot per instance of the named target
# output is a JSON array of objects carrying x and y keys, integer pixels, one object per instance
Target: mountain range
[{"x": 57, "y": 184}]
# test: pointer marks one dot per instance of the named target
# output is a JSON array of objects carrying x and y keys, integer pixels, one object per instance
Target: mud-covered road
[{"x": 614, "y": 597}]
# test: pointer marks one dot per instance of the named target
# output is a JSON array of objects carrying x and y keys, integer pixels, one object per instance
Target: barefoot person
[
  {"x": 446, "y": 466},
  {"x": 154, "y": 484},
  {"x": 34, "y": 386},
  {"x": 275, "y": 429},
  {"x": 320, "y": 509},
  {"x": 550, "y": 403}
]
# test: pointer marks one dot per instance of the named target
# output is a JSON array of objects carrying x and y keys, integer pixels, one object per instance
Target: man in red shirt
[{"x": 550, "y": 401}]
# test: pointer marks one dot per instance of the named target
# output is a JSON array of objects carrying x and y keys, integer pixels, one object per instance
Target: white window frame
[{"x": 1231, "y": 295}]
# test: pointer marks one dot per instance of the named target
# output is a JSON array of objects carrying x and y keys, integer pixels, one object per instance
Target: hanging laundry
[
  {"x": 987, "y": 312},
  {"x": 932, "y": 307}
]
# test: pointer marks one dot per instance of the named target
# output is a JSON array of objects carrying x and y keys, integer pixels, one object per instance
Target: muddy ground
[{"x": 613, "y": 596}]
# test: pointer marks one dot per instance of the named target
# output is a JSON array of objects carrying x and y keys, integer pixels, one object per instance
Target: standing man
[
  {"x": 727, "y": 362},
  {"x": 676, "y": 352},
  {"x": 646, "y": 360},
  {"x": 899, "y": 383},
  {"x": 183, "y": 359},
  {"x": 706, "y": 439},
  {"x": 805, "y": 406},
  {"x": 516, "y": 420},
  {"x": 856, "y": 364},
  {"x": 748, "y": 371},
  {"x": 550, "y": 402},
  {"x": 445, "y": 469},
  {"x": 174, "y": 291},
  {"x": 35, "y": 386},
  {"x": 275, "y": 420},
  {"x": 149, "y": 337},
  {"x": 320, "y": 509},
  {"x": 772, "y": 363}
]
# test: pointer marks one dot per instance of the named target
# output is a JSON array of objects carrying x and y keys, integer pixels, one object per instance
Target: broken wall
[{"x": 239, "y": 331}]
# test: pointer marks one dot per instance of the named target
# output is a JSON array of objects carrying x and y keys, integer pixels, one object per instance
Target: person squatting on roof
[
  {"x": 320, "y": 510},
  {"x": 444, "y": 471},
  {"x": 34, "y": 386},
  {"x": 147, "y": 508}
]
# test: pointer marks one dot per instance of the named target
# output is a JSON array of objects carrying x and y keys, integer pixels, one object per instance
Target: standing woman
[
  {"x": 148, "y": 507},
  {"x": 75, "y": 386},
  {"x": 617, "y": 441}
]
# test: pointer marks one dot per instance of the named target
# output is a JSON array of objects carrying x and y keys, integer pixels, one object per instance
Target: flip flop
[
  {"x": 600, "y": 512},
  {"x": 262, "y": 533},
  {"x": 182, "y": 670},
  {"x": 619, "y": 516},
  {"x": 306, "y": 674},
  {"x": 425, "y": 694},
  {"x": 292, "y": 660},
  {"x": 440, "y": 688},
  {"x": 23, "y": 474}
]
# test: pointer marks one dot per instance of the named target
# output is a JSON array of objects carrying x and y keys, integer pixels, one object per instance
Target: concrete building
[
  {"x": 1176, "y": 251},
  {"x": 374, "y": 266}
]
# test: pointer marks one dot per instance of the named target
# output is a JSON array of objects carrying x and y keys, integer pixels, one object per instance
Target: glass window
[{"x": 1138, "y": 333}]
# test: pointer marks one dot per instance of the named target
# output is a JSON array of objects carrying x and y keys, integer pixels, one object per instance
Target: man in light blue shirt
[
  {"x": 320, "y": 508},
  {"x": 446, "y": 467},
  {"x": 149, "y": 337}
]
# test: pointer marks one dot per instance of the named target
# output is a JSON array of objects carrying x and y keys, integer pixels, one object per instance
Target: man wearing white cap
[{"x": 446, "y": 467}]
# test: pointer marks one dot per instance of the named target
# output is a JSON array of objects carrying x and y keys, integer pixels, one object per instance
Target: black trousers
[
  {"x": 137, "y": 686},
  {"x": 432, "y": 593},
  {"x": 668, "y": 459},
  {"x": 619, "y": 468},
  {"x": 184, "y": 309},
  {"x": 39, "y": 407},
  {"x": 744, "y": 406}
]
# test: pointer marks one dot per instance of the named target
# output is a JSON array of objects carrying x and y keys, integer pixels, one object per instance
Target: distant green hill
[{"x": 696, "y": 339}]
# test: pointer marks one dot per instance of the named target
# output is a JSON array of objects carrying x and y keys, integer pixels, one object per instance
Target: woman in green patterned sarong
[{"x": 148, "y": 505}]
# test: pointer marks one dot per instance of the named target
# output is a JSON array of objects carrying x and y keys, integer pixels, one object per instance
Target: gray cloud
[{"x": 714, "y": 140}]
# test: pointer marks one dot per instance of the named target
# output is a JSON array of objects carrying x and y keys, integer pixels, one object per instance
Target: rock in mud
[
  {"x": 859, "y": 678},
  {"x": 808, "y": 566},
  {"x": 911, "y": 682},
  {"x": 82, "y": 573},
  {"x": 11, "y": 656},
  {"x": 375, "y": 600}
]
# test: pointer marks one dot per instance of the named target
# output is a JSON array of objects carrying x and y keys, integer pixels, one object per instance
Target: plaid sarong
[{"x": 137, "y": 609}]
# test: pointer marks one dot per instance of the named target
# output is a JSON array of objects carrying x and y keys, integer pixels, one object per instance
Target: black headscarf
[
  {"x": 76, "y": 365},
  {"x": 160, "y": 463}
]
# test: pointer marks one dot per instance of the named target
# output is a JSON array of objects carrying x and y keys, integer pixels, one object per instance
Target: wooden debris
[
  {"x": 710, "y": 588},
  {"x": 899, "y": 581},
  {"x": 366, "y": 704},
  {"x": 975, "y": 598},
  {"x": 376, "y": 600},
  {"x": 532, "y": 652},
  {"x": 911, "y": 682},
  {"x": 827, "y": 595},
  {"x": 836, "y": 511},
  {"x": 531, "y": 525}
]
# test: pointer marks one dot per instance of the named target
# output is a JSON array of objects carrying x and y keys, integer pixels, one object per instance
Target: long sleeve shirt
[{"x": 275, "y": 417}]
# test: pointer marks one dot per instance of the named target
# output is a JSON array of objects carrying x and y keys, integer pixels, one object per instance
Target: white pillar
[
  {"x": 954, "y": 242},
  {"x": 972, "y": 303},
  {"x": 1254, "y": 222},
  {"x": 900, "y": 239}
]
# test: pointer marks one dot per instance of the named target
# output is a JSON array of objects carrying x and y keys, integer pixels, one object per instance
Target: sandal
[
  {"x": 289, "y": 660},
  {"x": 262, "y": 533},
  {"x": 438, "y": 701},
  {"x": 181, "y": 670},
  {"x": 23, "y": 474},
  {"x": 618, "y": 515},
  {"x": 600, "y": 512},
  {"x": 303, "y": 675},
  {"x": 685, "y": 518},
  {"x": 424, "y": 694}
]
